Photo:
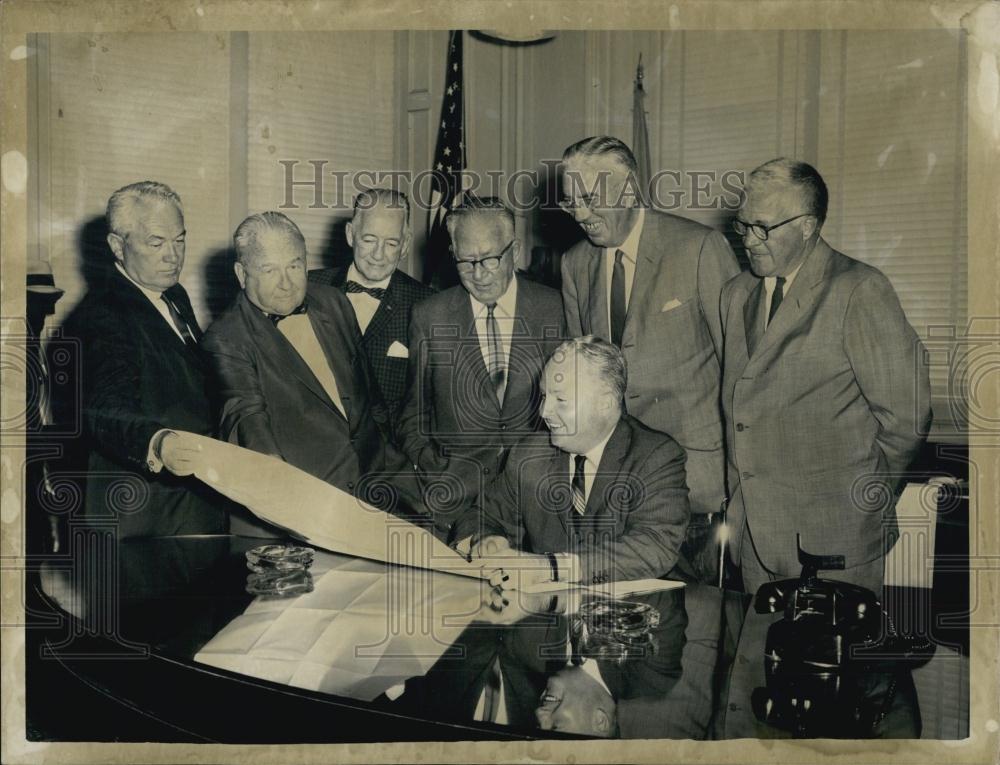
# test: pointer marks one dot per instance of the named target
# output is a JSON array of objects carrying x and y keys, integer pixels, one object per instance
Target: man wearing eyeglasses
[
  {"x": 649, "y": 282},
  {"x": 824, "y": 392},
  {"x": 476, "y": 355}
]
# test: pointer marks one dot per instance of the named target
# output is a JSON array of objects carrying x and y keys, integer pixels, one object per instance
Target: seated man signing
[{"x": 608, "y": 491}]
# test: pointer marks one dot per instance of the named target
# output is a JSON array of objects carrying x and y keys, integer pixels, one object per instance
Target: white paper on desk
[
  {"x": 319, "y": 513},
  {"x": 614, "y": 590},
  {"x": 358, "y": 634}
]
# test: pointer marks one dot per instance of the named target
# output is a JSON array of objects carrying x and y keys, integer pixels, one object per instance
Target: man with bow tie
[
  {"x": 381, "y": 295},
  {"x": 295, "y": 383},
  {"x": 145, "y": 378}
]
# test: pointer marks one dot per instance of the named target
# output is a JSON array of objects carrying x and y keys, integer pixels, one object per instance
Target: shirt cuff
[
  {"x": 153, "y": 461},
  {"x": 568, "y": 565}
]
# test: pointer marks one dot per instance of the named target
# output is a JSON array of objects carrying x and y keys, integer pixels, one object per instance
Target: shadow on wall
[
  {"x": 96, "y": 259},
  {"x": 336, "y": 253},
  {"x": 221, "y": 287}
]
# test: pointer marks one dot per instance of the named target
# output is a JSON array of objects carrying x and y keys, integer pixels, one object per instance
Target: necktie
[
  {"x": 618, "y": 300},
  {"x": 178, "y": 320},
  {"x": 580, "y": 484},
  {"x": 376, "y": 292},
  {"x": 496, "y": 368},
  {"x": 779, "y": 289},
  {"x": 277, "y": 317}
]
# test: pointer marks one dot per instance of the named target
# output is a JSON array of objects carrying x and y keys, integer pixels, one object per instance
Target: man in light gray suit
[
  {"x": 649, "y": 282},
  {"x": 824, "y": 392}
]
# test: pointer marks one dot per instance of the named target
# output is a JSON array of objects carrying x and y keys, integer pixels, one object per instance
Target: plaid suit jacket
[{"x": 390, "y": 324}]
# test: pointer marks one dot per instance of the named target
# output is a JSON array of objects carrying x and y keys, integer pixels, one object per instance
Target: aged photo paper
[{"x": 246, "y": 106}]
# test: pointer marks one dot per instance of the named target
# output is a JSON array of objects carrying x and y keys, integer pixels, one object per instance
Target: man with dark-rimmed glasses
[
  {"x": 825, "y": 398},
  {"x": 476, "y": 355}
]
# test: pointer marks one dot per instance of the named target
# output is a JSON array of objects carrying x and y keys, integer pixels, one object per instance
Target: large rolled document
[{"x": 321, "y": 514}]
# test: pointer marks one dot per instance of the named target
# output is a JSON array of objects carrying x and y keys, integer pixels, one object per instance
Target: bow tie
[
  {"x": 275, "y": 317},
  {"x": 376, "y": 292}
]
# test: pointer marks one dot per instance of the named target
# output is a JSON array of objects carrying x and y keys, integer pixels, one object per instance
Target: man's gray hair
[
  {"x": 388, "y": 198},
  {"x": 801, "y": 176},
  {"x": 604, "y": 358},
  {"x": 123, "y": 201},
  {"x": 245, "y": 239},
  {"x": 604, "y": 146},
  {"x": 485, "y": 206}
]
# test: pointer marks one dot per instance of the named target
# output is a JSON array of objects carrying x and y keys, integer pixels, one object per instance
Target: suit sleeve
[
  {"x": 113, "y": 412},
  {"x": 886, "y": 356},
  {"x": 496, "y": 514},
  {"x": 245, "y": 418},
  {"x": 716, "y": 266},
  {"x": 654, "y": 528},
  {"x": 571, "y": 305}
]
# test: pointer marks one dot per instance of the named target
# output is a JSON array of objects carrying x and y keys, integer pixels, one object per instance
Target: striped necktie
[{"x": 580, "y": 484}]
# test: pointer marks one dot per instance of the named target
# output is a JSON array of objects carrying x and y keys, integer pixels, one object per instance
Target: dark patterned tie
[
  {"x": 182, "y": 326},
  {"x": 779, "y": 293},
  {"x": 580, "y": 485},
  {"x": 376, "y": 292},
  {"x": 618, "y": 307},
  {"x": 277, "y": 317},
  {"x": 496, "y": 368}
]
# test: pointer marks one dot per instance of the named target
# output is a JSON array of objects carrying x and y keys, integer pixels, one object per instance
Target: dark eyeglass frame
[
  {"x": 760, "y": 231},
  {"x": 490, "y": 263}
]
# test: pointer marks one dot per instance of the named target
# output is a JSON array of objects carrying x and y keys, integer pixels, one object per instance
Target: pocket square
[
  {"x": 670, "y": 305},
  {"x": 398, "y": 351}
]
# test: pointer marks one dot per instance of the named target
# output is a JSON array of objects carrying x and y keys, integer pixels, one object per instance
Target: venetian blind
[
  {"x": 318, "y": 97},
  {"x": 891, "y": 148},
  {"x": 125, "y": 108}
]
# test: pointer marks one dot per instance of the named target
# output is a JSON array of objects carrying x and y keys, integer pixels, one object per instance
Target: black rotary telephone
[{"x": 832, "y": 662}]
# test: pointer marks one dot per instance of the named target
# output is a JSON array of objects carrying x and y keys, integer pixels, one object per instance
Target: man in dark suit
[
  {"x": 294, "y": 380},
  {"x": 145, "y": 376},
  {"x": 825, "y": 395},
  {"x": 381, "y": 295},
  {"x": 476, "y": 355},
  {"x": 607, "y": 493},
  {"x": 650, "y": 282}
]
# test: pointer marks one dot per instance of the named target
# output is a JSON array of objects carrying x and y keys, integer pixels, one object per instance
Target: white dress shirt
[
  {"x": 298, "y": 330},
  {"x": 593, "y": 461},
  {"x": 364, "y": 304},
  {"x": 630, "y": 255},
  {"x": 770, "y": 282},
  {"x": 504, "y": 314},
  {"x": 155, "y": 298}
]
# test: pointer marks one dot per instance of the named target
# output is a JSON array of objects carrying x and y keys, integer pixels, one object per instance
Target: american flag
[
  {"x": 640, "y": 133},
  {"x": 449, "y": 162}
]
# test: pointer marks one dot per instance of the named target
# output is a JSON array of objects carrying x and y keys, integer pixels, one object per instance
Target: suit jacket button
[
  {"x": 486, "y": 471},
  {"x": 739, "y": 427},
  {"x": 350, "y": 485},
  {"x": 503, "y": 426},
  {"x": 746, "y": 474}
]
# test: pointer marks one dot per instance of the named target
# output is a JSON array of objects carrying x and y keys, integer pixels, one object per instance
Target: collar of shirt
[
  {"x": 630, "y": 247},
  {"x": 353, "y": 275},
  {"x": 507, "y": 303},
  {"x": 154, "y": 297},
  {"x": 593, "y": 671},
  {"x": 770, "y": 282},
  {"x": 593, "y": 462}
]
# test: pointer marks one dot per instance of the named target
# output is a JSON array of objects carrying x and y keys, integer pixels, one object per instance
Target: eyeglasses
[
  {"x": 491, "y": 263},
  {"x": 758, "y": 230}
]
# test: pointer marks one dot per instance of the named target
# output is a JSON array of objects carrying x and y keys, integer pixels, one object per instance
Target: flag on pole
[
  {"x": 449, "y": 162},
  {"x": 640, "y": 134}
]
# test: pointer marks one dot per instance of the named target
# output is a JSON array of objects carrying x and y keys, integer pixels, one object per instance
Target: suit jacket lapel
[
  {"x": 597, "y": 295},
  {"x": 274, "y": 345},
  {"x": 122, "y": 289},
  {"x": 608, "y": 470},
  {"x": 649, "y": 262},
  {"x": 753, "y": 317},
  {"x": 339, "y": 356},
  {"x": 800, "y": 296},
  {"x": 385, "y": 310}
]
